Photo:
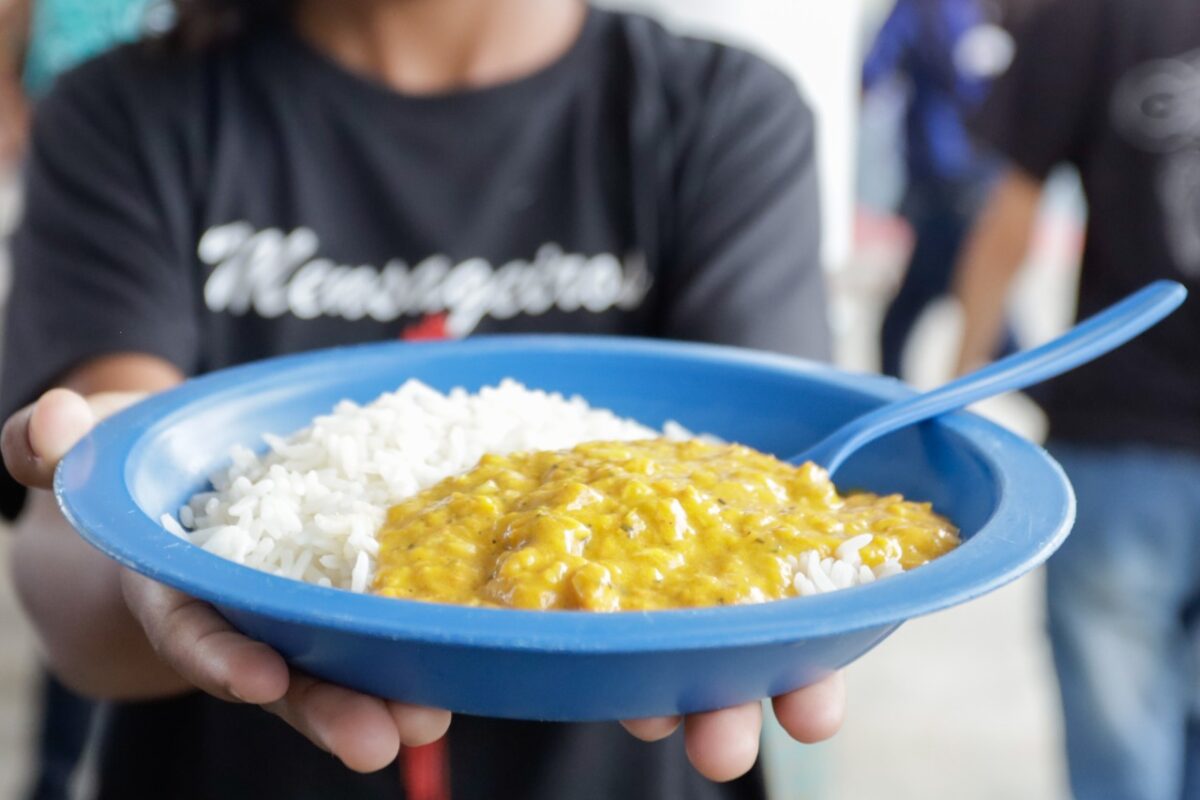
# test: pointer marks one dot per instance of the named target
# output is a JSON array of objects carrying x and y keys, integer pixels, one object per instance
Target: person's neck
[{"x": 436, "y": 46}]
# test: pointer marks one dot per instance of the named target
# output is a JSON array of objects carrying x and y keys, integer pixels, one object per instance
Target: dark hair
[{"x": 200, "y": 24}]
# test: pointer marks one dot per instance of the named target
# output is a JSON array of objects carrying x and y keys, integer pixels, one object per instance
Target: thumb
[
  {"x": 58, "y": 420},
  {"x": 38, "y": 436}
]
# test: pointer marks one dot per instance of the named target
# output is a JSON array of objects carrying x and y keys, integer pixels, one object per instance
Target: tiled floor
[{"x": 958, "y": 705}]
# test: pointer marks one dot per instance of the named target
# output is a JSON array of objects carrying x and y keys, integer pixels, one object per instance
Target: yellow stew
[{"x": 637, "y": 525}]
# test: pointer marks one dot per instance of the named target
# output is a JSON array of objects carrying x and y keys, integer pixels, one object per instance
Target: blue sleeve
[{"x": 891, "y": 44}]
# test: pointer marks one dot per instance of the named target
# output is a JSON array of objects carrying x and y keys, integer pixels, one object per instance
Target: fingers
[
  {"x": 723, "y": 745},
  {"x": 358, "y": 729},
  {"x": 38, "y": 436},
  {"x": 651, "y": 729},
  {"x": 814, "y": 713},
  {"x": 364, "y": 732},
  {"x": 195, "y": 641},
  {"x": 419, "y": 725}
]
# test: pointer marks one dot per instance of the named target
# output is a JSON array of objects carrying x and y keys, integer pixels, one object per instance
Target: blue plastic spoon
[{"x": 1088, "y": 340}]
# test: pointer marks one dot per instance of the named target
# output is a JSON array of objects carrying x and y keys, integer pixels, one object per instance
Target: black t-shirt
[
  {"x": 1113, "y": 87},
  {"x": 257, "y": 200}
]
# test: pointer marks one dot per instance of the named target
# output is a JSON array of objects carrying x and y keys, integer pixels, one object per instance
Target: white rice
[{"x": 309, "y": 507}]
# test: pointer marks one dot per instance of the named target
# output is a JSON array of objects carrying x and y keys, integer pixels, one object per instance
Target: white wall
[{"x": 817, "y": 42}]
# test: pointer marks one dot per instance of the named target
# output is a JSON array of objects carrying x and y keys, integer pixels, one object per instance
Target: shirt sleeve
[
  {"x": 746, "y": 262},
  {"x": 893, "y": 41},
  {"x": 95, "y": 270},
  {"x": 1038, "y": 110}
]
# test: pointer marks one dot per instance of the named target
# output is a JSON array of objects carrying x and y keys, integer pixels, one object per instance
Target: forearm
[
  {"x": 991, "y": 260},
  {"x": 72, "y": 595},
  {"x": 982, "y": 290}
]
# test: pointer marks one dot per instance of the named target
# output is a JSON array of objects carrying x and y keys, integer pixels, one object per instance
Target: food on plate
[
  {"x": 643, "y": 525},
  {"x": 405, "y": 495}
]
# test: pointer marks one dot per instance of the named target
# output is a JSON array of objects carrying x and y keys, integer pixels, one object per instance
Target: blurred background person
[
  {"x": 1113, "y": 87},
  {"x": 62, "y": 33},
  {"x": 945, "y": 53}
]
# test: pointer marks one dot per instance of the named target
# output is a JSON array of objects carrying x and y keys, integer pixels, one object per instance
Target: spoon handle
[{"x": 1090, "y": 339}]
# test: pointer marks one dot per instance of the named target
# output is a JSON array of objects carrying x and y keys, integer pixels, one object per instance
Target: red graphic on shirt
[
  {"x": 431, "y": 327},
  {"x": 425, "y": 771}
]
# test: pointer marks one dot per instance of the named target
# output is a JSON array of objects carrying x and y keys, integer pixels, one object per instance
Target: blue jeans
[{"x": 1122, "y": 596}]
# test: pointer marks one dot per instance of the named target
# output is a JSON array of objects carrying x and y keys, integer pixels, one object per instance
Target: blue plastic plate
[{"x": 1011, "y": 501}]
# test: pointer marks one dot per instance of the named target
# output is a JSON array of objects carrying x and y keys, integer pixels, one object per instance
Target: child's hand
[
  {"x": 196, "y": 642},
  {"x": 364, "y": 732},
  {"x": 723, "y": 745}
]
